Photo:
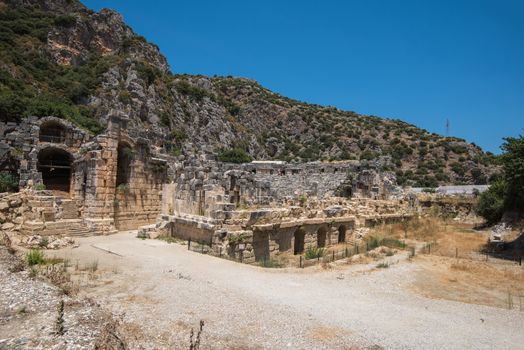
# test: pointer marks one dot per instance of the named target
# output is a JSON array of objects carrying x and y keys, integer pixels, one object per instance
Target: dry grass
[
  {"x": 327, "y": 333},
  {"x": 445, "y": 238},
  {"x": 470, "y": 281}
]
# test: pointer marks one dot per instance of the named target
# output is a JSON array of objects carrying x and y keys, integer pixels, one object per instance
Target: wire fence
[
  {"x": 513, "y": 301},
  {"x": 333, "y": 255},
  {"x": 486, "y": 255},
  {"x": 328, "y": 255}
]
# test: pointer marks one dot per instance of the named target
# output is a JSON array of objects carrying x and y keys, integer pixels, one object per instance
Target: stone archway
[
  {"x": 298, "y": 243},
  {"x": 342, "y": 233},
  {"x": 55, "y": 166},
  {"x": 321, "y": 236}
]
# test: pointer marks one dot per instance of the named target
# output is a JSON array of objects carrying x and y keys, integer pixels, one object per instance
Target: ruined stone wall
[
  {"x": 25, "y": 142},
  {"x": 89, "y": 165},
  {"x": 137, "y": 200},
  {"x": 203, "y": 186}
]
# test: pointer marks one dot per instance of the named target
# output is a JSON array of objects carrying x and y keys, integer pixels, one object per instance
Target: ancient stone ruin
[{"x": 73, "y": 184}]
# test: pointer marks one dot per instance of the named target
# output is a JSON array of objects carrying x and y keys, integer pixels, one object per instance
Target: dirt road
[{"x": 162, "y": 291}]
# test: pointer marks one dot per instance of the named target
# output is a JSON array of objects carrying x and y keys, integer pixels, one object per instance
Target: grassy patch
[
  {"x": 270, "y": 263},
  {"x": 35, "y": 257},
  {"x": 375, "y": 242},
  {"x": 314, "y": 252}
]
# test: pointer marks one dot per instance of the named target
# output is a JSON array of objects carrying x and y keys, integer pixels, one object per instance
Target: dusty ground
[
  {"x": 30, "y": 313},
  {"x": 162, "y": 291}
]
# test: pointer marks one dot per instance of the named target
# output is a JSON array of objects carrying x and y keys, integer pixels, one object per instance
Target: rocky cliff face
[{"x": 94, "y": 64}]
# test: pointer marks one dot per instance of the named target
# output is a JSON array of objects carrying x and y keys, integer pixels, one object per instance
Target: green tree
[
  {"x": 513, "y": 165},
  {"x": 491, "y": 202},
  {"x": 507, "y": 192}
]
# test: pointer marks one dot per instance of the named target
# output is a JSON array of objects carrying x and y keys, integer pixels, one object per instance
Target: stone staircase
[
  {"x": 63, "y": 227},
  {"x": 53, "y": 215},
  {"x": 69, "y": 209}
]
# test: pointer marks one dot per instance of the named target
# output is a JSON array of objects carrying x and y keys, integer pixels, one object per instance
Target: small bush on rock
[
  {"x": 35, "y": 257},
  {"x": 235, "y": 155}
]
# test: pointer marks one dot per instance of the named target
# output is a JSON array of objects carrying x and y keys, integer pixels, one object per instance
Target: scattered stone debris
[
  {"x": 46, "y": 242},
  {"x": 29, "y": 318}
]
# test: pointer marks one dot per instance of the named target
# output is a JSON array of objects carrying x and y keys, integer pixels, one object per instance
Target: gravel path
[
  {"x": 29, "y": 313},
  {"x": 163, "y": 291}
]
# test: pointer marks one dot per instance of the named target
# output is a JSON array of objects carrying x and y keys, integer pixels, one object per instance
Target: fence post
[
  {"x": 346, "y": 252},
  {"x": 202, "y": 245},
  {"x": 356, "y": 248},
  {"x": 456, "y": 252},
  {"x": 333, "y": 255},
  {"x": 429, "y": 248},
  {"x": 220, "y": 254},
  {"x": 300, "y": 261},
  {"x": 189, "y": 244}
]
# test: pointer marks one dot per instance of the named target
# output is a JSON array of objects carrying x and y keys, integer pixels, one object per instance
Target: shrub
[
  {"x": 368, "y": 155},
  {"x": 147, "y": 72},
  {"x": 234, "y": 155},
  {"x": 124, "y": 188},
  {"x": 40, "y": 187},
  {"x": 198, "y": 94},
  {"x": 383, "y": 265},
  {"x": 35, "y": 257},
  {"x": 303, "y": 199},
  {"x": 491, "y": 202},
  {"x": 65, "y": 21},
  {"x": 8, "y": 183},
  {"x": 43, "y": 242},
  {"x": 314, "y": 252}
]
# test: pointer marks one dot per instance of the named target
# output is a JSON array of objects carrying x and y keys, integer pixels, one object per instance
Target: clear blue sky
[{"x": 419, "y": 61}]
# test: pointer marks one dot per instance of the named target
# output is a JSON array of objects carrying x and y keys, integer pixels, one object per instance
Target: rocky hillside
[{"x": 59, "y": 58}]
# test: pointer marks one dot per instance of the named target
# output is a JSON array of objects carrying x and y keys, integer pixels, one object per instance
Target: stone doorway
[
  {"x": 321, "y": 237},
  {"x": 342, "y": 234},
  {"x": 55, "y": 166},
  {"x": 298, "y": 244},
  {"x": 124, "y": 161}
]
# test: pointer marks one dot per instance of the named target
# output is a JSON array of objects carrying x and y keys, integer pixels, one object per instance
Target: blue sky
[{"x": 419, "y": 61}]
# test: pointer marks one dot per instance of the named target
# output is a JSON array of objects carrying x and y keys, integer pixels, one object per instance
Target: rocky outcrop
[{"x": 189, "y": 114}]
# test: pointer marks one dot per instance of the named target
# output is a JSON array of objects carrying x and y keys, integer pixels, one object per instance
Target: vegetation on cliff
[
  {"x": 59, "y": 58},
  {"x": 31, "y": 83}
]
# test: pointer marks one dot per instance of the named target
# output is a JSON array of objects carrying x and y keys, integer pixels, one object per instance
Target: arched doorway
[
  {"x": 321, "y": 237},
  {"x": 298, "y": 246},
  {"x": 342, "y": 234},
  {"x": 52, "y": 131},
  {"x": 55, "y": 166},
  {"x": 123, "y": 165}
]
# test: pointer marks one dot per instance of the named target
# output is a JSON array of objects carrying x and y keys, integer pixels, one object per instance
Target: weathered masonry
[
  {"x": 85, "y": 184},
  {"x": 73, "y": 183}
]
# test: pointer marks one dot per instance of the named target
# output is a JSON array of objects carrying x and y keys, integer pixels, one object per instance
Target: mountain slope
[{"x": 59, "y": 58}]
